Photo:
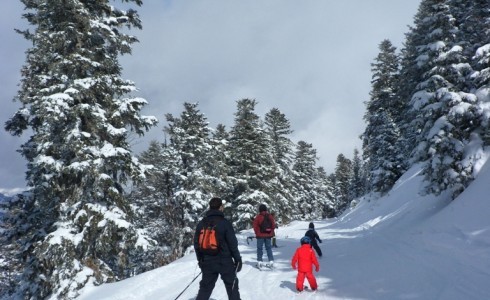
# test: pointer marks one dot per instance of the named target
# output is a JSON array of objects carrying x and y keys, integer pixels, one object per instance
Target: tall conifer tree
[
  {"x": 326, "y": 198},
  {"x": 251, "y": 163},
  {"x": 358, "y": 180},
  {"x": 476, "y": 30},
  {"x": 441, "y": 103},
  {"x": 278, "y": 127},
  {"x": 154, "y": 207},
  {"x": 343, "y": 175},
  {"x": 218, "y": 163},
  {"x": 190, "y": 138},
  {"x": 381, "y": 142},
  {"x": 305, "y": 176},
  {"x": 78, "y": 222}
]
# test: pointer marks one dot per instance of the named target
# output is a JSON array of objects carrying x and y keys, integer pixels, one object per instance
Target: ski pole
[
  {"x": 188, "y": 286},
  {"x": 236, "y": 277}
]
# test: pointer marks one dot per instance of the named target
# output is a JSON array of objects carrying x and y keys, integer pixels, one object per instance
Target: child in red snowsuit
[{"x": 305, "y": 257}]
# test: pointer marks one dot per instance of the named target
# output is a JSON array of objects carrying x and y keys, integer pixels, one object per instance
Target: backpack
[
  {"x": 208, "y": 240},
  {"x": 266, "y": 225}
]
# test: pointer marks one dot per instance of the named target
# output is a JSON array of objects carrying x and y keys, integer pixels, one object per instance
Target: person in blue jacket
[{"x": 313, "y": 235}]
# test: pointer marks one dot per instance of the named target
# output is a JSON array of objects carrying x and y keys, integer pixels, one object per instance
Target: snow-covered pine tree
[
  {"x": 307, "y": 199},
  {"x": 12, "y": 220},
  {"x": 343, "y": 175},
  {"x": 172, "y": 223},
  {"x": 410, "y": 74},
  {"x": 380, "y": 138},
  {"x": 78, "y": 226},
  {"x": 327, "y": 193},
  {"x": 278, "y": 127},
  {"x": 440, "y": 103},
  {"x": 150, "y": 203},
  {"x": 385, "y": 80},
  {"x": 414, "y": 66},
  {"x": 358, "y": 180},
  {"x": 383, "y": 167},
  {"x": 217, "y": 165},
  {"x": 334, "y": 192},
  {"x": 190, "y": 137},
  {"x": 476, "y": 31},
  {"x": 325, "y": 196},
  {"x": 251, "y": 164}
]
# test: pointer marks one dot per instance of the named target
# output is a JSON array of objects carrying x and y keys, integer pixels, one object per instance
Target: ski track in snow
[{"x": 400, "y": 246}]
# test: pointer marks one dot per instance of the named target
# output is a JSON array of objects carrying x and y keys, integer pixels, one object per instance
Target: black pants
[
  {"x": 210, "y": 271},
  {"x": 317, "y": 249}
]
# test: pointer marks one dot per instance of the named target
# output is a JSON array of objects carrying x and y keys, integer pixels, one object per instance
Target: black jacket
[
  {"x": 225, "y": 233},
  {"x": 311, "y": 233}
]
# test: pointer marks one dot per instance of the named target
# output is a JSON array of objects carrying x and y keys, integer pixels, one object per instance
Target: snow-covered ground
[{"x": 401, "y": 246}]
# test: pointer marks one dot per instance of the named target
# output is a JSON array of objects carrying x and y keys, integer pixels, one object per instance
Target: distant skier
[
  {"x": 264, "y": 225},
  {"x": 304, "y": 258},
  {"x": 313, "y": 235}
]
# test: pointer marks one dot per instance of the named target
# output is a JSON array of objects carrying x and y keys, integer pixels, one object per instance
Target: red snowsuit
[{"x": 305, "y": 257}]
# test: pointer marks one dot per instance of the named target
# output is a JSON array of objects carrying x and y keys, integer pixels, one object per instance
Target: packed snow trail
[{"x": 400, "y": 246}]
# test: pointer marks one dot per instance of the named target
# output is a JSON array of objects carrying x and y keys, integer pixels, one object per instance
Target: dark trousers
[
  {"x": 317, "y": 249},
  {"x": 210, "y": 271}
]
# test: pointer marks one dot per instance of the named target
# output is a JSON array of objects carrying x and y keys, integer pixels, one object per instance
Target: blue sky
[{"x": 311, "y": 59}]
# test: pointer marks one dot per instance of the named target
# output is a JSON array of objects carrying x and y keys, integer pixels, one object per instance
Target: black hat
[
  {"x": 311, "y": 225},
  {"x": 215, "y": 203},
  {"x": 262, "y": 208}
]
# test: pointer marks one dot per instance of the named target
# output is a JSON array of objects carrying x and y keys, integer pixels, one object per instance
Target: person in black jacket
[
  {"x": 226, "y": 263},
  {"x": 311, "y": 233}
]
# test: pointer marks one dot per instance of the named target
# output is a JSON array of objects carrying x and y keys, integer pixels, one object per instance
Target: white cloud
[{"x": 310, "y": 59}]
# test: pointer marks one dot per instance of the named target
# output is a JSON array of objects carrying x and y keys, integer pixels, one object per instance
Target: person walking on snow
[
  {"x": 313, "y": 235},
  {"x": 303, "y": 259},
  {"x": 227, "y": 262},
  {"x": 264, "y": 225}
]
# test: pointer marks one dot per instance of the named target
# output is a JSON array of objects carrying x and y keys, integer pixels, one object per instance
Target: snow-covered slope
[{"x": 401, "y": 246}]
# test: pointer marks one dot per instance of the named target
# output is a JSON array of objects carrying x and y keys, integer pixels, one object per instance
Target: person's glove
[
  {"x": 238, "y": 265},
  {"x": 320, "y": 241},
  {"x": 317, "y": 269},
  {"x": 199, "y": 263}
]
